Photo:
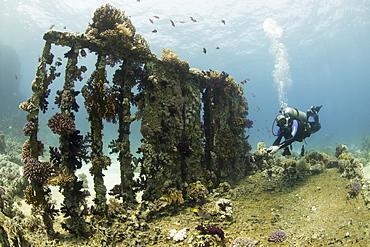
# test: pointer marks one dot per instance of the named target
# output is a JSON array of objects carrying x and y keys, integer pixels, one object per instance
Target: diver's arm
[
  {"x": 279, "y": 135},
  {"x": 276, "y": 145},
  {"x": 277, "y": 140},
  {"x": 293, "y": 133}
]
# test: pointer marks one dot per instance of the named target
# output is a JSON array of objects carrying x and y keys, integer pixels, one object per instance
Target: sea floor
[{"x": 314, "y": 211}]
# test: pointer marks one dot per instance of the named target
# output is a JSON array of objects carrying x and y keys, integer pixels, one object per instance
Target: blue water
[{"x": 326, "y": 47}]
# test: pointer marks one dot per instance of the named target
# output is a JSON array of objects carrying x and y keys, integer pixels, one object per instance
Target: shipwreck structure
[{"x": 193, "y": 123}]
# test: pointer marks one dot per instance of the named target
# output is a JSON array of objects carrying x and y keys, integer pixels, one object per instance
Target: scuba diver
[{"x": 293, "y": 125}]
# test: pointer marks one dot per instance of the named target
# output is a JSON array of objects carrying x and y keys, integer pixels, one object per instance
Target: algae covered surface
[{"x": 314, "y": 212}]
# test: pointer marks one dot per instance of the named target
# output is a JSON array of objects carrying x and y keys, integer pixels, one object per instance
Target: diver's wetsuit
[
  {"x": 296, "y": 131},
  {"x": 291, "y": 133}
]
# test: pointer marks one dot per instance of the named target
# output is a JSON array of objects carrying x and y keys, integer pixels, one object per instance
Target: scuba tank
[
  {"x": 287, "y": 113},
  {"x": 293, "y": 112}
]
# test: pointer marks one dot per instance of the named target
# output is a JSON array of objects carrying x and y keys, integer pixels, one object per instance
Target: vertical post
[
  {"x": 73, "y": 197},
  {"x": 37, "y": 194},
  {"x": 125, "y": 82},
  {"x": 97, "y": 105}
]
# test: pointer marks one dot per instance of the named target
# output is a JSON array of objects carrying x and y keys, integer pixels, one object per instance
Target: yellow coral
[
  {"x": 106, "y": 17},
  {"x": 31, "y": 197},
  {"x": 196, "y": 191},
  {"x": 26, "y": 149},
  {"x": 261, "y": 145},
  {"x": 24, "y": 106},
  {"x": 62, "y": 179},
  {"x": 345, "y": 156},
  {"x": 99, "y": 163},
  {"x": 173, "y": 196},
  {"x": 168, "y": 55},
  {"x": 122, "y": 29}
]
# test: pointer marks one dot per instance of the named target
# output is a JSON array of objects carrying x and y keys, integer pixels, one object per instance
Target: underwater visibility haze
[
  {"x": 205, "y": 80},
  {"x": 325, "y": 49},
  {"x": 310, "y": 53}
]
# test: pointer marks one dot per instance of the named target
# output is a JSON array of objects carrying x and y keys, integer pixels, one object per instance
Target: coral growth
[
  {"x": 277, "y": 236},
  {"x": 79, "y": 150},
  {"x": 26, "y": 149},
  {"x": 13, "y": 182},
  {"x": 55, "y": 156},
  {"x": 6, "y": 203},
  {"x": 99, "y": 163},
  {"x": 116, "y": 191},
  {"x": 62, "y": 124},
  {"x": 108, "y": 18},
  {"x": 29, "y": 128},
  {"x": 178, "y": 236},
  {"x": 61, "y": 178},
  {"x": 355, "y": 189},
  {"x": 196, "y": 191},
  {"x": 173, "y": 61},
  {"x": 78, "y": 146},
  {"x": 113, "y": 29},
  {"x": 173, "y": 196},
  {"x": 36, "y": 170},
  {"x": 340, "y": 149},
  {"x": 350, "y": 166},
  {"x": 243, "y": 242},
  {"x": 178, "y": 149},
  {"x": 221, "y": 208},
  {"x": 317, "y": 158},
  {"x": 211, "y": 230},
  {"x": 225, "y": 112}
]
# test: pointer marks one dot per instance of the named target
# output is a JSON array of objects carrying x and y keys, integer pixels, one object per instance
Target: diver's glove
[{"x": 273, "y": 149}]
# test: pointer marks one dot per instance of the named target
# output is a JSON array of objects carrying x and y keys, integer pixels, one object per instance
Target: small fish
[
  {"x": 193, "y": 20},
  {"x": 154, "y": 30},
  {"x": 217, "y": 47},
  {"x": 182, "y": 22},
  {"x": 245, "y": 81},
  {"x": 51, "y": 27},
  {"x": 204, "y": 50},
  {"x": 156, "y": 16},
  {"x": 58, "y": 64},
  {"x": 151, "y": 21},
  {"x": 224, "y": 22},
  {"x": 172, "y": 23},
  {"x": 60, "y": 59},
  {"x": 16, "y": 77},
  {"x": 202, "y": 214},
  {"x": 83, "y": 76}
]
